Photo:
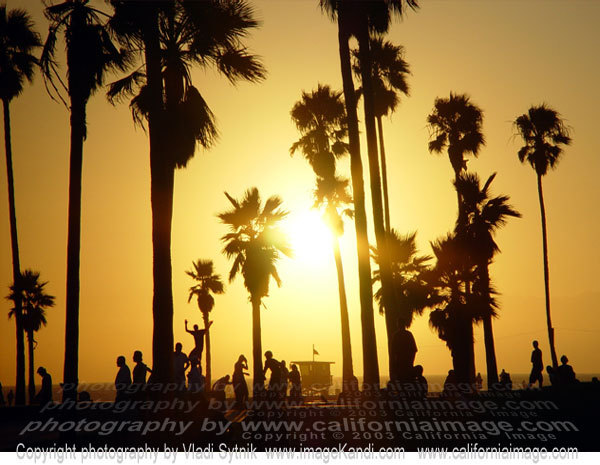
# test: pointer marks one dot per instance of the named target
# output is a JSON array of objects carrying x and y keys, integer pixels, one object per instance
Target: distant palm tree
[
  {"x": 255, "y": 243},
  {"x": 320, "y": 116},
  {"x": 484, "y": 215},
  {"x": 455, "y": 124},
  {"x": 90, "y": 55},
  {"x": 31, "y": 293},
  {"x": 347, "y": 14},
  {"x": 453, "y": 320},
  {"x": 333, "y": 198},
  {"x": 208, "y": 283},
  {"x": 17, "y": 42},
  {"x": 172, "y": 37},
  {"x": 390, "y": 72},
  {"x": 544, "y": 134},
  {"x": 410, "y": 272}
]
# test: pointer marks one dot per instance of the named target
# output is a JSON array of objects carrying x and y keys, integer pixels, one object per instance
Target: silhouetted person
[
  {"x": 219, "y": 386},
  {"x": 195, "y": 379},
  {"x": 552, "y": 376},
  {"x": 505, "y": 380},
  {"x": 275, "y": 367},
  {"x": 45, "y": 394},
  {"x": 84, "y": 396},
  {"x": 421, "y": 382},
  {"x": 478, "y": 382},
  {"x": 139, "y": 374},
  {"x": 537, "y": 366},
  {"x": 10, "y": 397},
  {"x": 180, "y": 364},
  {"x": 404, "y": 350},
  {"x": 296, "y": 383},
  {"x": 566, "y": 375},
  {"x": 198, "y": 340},
  {"x": 123, "y": 379},
  {"x": 450, "y": 384},
  {"x": 240, "y": 388},
  {"x": 285, "y": 376}
]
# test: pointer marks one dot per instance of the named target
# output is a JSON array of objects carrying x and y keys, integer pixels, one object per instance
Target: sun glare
[{"x": 309, "y": 236}]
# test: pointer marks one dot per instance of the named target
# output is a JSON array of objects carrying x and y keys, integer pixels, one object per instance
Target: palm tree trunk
[
  {"x": 162, "y": 175},
  {"x": 208, "y": 367},
  {"x": 386, "y": 199},
  {"x": 391, "y": 316},
  {"x": 347, "y": 369},
  {"x": 31, "y": 367},
  {"x": 258, "y": 381},
  {"x": 369, "y": 341},
  {"x": 546, "y": 273},
  {"x": 20, "y": 384},
  {"x": 488, "y": 333},
  {"x": 70, "y": 375}
]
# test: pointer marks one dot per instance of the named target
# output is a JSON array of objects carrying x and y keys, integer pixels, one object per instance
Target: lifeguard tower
[{"x": 316, "y": 376}]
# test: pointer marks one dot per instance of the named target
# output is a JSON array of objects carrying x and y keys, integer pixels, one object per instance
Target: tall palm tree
[
  {"x": 90, "y": 54},
  {"x": 17, "y": 42},
  {"x": 30, "y": 291},
  {"x": 173, "y": 37},
  {"x": 389, "y": 73},
  {"x": 544, "y": 134},
  {"x": 484, "y": 215},
  {"x": 455, "y": 124},
  {"x": 333, "y": 198},
  {"x": 347, "y": 14},
  {"x": 255, "y": 243},
  {"x": 320, "y": 116},
  {"x": 375, "y": 18},
  {"x": 208, "y": 283}
]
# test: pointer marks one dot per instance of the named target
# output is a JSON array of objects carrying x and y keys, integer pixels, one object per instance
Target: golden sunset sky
[{"x": 506, "y": 55}]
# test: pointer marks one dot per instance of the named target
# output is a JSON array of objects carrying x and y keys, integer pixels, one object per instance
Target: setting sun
[{"x": 309, "y": 236}]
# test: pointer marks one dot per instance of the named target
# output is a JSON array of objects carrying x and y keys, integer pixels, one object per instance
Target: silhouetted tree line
[{"x": 156, "y": 45}]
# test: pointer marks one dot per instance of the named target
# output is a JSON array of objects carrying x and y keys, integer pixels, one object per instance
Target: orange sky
[{"x": 506, "y": 58}]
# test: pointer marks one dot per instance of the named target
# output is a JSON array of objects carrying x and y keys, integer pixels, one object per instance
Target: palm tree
[
  {"x": 255, "y": 243},
  {"x": 320, "y": 116},
  {"x": 17, "y": 42},
  {"x": 208, "y": 283},
  {"x": 544, "y": 134},
  {"x": 30, "y": 291},
  {"x": 173, "y": 37},
  {"x": 347, "y": 15},
  {"x": 333, "y": 198},
  {"x": 389, "y": 73},
  {"x": 453, "y": 320},
  {"x": 90, "y": 54},
  {"x": 375, "y": 18},
  {"x": 455, "y": 124},
  {"x": 484, "y": 215},
  {"x": 410, "y": 273}
]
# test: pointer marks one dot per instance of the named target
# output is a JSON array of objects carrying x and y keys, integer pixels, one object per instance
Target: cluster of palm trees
[{"x": 156, "y": 45}]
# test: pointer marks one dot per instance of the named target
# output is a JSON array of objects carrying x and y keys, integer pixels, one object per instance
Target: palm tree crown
[
  {"x": 390, "y": 72},
  {"x": 256, "y": 241},
  {"x": 456, "y": 123},
  {"x": 208, "y": 283},
  {"x": 34, "y": 298},
  {"x": 17, "y": 42},
  {"x": 320, "y": 116},
  {"x": 544, "y": 134},
  {"x": 90, "y": 50},
  {"x": 190, "y": 34}
]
